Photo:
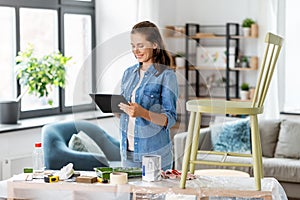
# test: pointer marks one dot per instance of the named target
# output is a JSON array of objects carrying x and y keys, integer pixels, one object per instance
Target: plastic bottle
[{"x": 38, "y": 158}]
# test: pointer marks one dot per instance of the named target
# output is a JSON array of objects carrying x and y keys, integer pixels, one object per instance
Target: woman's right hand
[{"x": 133, "y": 109}]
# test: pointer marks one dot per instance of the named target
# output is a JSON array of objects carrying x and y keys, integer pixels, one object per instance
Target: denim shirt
[{"x": 157, "y": 94}]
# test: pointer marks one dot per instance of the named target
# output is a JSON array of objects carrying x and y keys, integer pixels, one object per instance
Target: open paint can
[{"x": 151, "y": 168}]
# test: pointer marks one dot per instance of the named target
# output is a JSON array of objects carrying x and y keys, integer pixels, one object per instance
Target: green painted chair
[{"x": 212, "y": 106}]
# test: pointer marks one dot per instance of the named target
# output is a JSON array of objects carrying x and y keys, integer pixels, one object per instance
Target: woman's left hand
[{"x": 133, "y": 109}]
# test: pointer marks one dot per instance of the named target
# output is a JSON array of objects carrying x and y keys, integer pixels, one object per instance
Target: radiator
[{"x": 14, "y": 165}]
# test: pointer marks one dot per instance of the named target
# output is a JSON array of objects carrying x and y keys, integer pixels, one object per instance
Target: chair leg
[
  {"x": 187, "y": 151},
  {"x": 259, "y": 150},
  {"x": 195, "y": 143},
  {"x": 256, "y": 152},
  {"x": 260, "y": 153}
]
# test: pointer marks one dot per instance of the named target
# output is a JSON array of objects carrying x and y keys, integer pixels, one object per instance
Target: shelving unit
[{"x": 231, "y": 36}]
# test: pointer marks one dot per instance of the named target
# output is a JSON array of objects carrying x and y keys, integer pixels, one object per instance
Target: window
[
  {"x": 39, "y": 26},
  {"x": 78, "y": 45},
  {"x": 7, "y": 53},
  {"x": 65, "y": 25}
]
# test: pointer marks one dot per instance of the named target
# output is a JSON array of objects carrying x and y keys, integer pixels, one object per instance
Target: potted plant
[
  {"x": 38, "y": 76},
  {"x": 245, "y": 62},
  {"x": 247, "y": 26},
  {"x": 180, "y": 59},
  {"x": 244, "y": 91}
]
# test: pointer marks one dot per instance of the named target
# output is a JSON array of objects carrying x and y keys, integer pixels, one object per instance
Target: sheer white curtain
[{"x": 268, "y": 20}]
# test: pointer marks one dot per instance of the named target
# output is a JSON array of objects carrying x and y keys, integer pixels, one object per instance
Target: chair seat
[{"x": 219, "y": 106}]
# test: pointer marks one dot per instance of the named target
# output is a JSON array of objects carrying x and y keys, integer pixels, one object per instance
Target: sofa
[
  {"x": 280, "y": 141},
  {"x": 101, "y": 148}
]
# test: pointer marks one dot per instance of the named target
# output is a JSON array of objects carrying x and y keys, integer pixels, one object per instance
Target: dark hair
[{"x": 161, "y": 57}]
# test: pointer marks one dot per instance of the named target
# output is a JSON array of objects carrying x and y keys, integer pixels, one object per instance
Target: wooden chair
[{"x": 213, "y": 106}]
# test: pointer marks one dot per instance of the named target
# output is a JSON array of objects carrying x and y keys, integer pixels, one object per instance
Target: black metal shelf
[{"x": 231, "y": 37}]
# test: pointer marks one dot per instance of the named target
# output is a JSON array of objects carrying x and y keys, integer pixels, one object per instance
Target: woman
[{"x": 151, "y": 89}]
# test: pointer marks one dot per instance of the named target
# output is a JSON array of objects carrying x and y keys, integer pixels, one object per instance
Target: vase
[{"x": 254, "y": 30}]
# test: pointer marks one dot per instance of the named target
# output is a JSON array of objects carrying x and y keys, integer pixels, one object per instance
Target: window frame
[{"x": 62, "y": 7}]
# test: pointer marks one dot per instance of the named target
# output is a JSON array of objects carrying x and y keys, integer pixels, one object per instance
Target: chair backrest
[{"x": 273, "y": 47}]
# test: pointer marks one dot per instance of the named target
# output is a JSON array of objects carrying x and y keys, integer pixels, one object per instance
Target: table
[{"x": 201, "y": 188}]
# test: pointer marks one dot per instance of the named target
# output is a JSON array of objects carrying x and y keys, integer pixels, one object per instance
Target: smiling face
[{"x": 142, "y": 49}]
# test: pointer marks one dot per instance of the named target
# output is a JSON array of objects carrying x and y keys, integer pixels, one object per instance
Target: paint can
[{"x": 151, "y": 168}]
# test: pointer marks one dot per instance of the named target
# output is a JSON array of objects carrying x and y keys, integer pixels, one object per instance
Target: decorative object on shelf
[
  {"x": 39, "y": 75},
  {"x": 254, "y": 62},
  {"x": 214, "y": 56},
  {"x": 180, "y": 59},
  {"x": 247, "y": 26},
  {"x": 254, "y": 30},
  {"x": 251, "y": 92},
  {"x": 244, "y": 62},
  {"x": 244, "y": 91}
]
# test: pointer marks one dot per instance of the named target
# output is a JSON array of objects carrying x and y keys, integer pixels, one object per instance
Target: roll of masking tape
[{"x": 117, "y": 178}]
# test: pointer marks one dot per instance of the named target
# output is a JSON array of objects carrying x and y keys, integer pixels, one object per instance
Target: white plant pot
[
  {"x": 180, "y": 61},
  {"x": 246, "y": 32},
  {"x": 244, "y": 95}
]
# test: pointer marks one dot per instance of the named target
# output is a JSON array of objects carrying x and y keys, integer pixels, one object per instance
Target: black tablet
[{"x": 108, "y": 103}]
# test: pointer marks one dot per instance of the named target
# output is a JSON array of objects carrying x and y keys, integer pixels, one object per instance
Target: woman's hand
[{"x": 133, "y": 109}]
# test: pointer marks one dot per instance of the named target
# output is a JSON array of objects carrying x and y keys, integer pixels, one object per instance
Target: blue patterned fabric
[{"x": 232, "y": 136}]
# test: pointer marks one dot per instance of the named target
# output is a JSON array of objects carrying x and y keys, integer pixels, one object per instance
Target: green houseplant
[
  {"x": 246, "y": 24},
  {"x": 245, "y": 86},
  {"x": 245, "y": 61},
  {"x": 39, "y": 75},
  {"x": 244, "y": 91}
]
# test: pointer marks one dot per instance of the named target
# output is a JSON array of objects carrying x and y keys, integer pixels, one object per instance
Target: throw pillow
[
  {"x": 269, "y": 130},
  {"x": 232, "y": 136},
  {"x": 288, "y": 140},
  {"x": 82, "y": 142}
]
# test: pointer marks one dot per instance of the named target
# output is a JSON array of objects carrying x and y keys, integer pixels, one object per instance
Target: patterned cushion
[{"x": 232, "y": 136}]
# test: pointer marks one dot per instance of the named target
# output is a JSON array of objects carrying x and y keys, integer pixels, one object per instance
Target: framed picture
[{"x": 214, "y": 57}]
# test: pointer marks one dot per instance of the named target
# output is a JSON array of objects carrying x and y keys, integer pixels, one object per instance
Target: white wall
[
  {"x": 15, "y": 145},
  {"x": 114, "y": 20},
  {"x": 214, "y": 11}
]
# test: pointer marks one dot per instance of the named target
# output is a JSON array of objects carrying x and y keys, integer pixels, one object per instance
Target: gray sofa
[{"x": 280, "y": 148}]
